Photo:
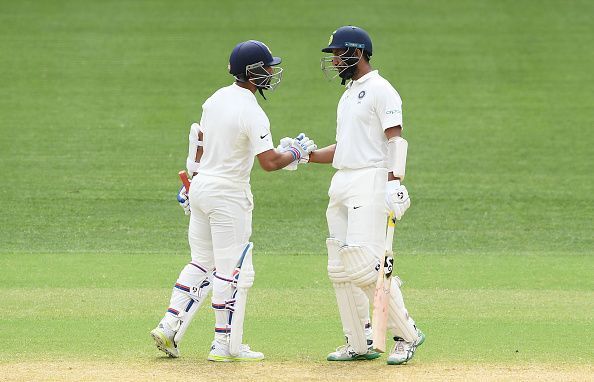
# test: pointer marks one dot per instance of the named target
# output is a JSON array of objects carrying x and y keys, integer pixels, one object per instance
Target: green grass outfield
[{"x": 96, "y": 99}]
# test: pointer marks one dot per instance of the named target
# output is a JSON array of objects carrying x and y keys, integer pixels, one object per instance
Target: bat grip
[
  {"x": 184, "y": 178},
  {"x": 390, "y": 232}
]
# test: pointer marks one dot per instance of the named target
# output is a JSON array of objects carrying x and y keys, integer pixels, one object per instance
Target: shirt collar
[
  {"x": 367, "y": 76},
  {"x": 242, "y": 90},
  {"x": 373, "y": 73}
]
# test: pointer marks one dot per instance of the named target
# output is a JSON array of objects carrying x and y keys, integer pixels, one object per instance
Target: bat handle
[
  {"x": 390, "y": 231},
  {"x": 184, "y": 178}
]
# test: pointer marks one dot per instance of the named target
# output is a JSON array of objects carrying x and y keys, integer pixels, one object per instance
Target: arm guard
[
  {"x": 396, "y": 162},
  {"x": 191, "y": 163}
]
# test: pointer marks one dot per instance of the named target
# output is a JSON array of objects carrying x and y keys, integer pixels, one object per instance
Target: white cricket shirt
[
  {"x": 234, "y": 130},
  {"x": 368, "y": 106}
]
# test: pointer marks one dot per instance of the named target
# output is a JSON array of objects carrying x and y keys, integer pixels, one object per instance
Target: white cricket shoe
[
  {"x": 219, "y": 352},
  {"x": 403, "y": 351},
  {"x": 163, "y": 336},
  {"x": 347, "y": 353}
]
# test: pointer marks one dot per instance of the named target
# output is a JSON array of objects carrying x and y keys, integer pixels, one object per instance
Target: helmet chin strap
[
  {"x": 244, "y": 79},
  {"x": 347, "y": 74}
]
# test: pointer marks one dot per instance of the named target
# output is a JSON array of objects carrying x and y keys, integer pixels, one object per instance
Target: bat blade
[
  {"x": 381, "y": 298},
  {"x": 380, "y": 309},
  {"x": 184, "y": 178}
]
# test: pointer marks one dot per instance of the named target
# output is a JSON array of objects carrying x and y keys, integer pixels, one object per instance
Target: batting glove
[
  {"x": 397, "y": 199},
  {"x": 301, "y": 147},
  {"x": 283, "y": 147},
  {"x": 184, "y": 200}
]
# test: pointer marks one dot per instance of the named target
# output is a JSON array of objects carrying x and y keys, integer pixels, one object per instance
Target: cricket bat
[
  {"x": 184, "y": 178},
  {"x": 381, "y": 298}
]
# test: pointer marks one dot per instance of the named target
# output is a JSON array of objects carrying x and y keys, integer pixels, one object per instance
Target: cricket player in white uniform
[
  {"x": 370, "y": 158},
  {"x": 232, "y": 131}
]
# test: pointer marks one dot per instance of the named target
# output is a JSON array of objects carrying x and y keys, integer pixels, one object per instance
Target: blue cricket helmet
[
  {"x": 249, "y": 53},
  {"x": 349, "y": 37}
]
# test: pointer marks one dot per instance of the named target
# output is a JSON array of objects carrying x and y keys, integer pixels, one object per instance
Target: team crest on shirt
[{"x": 361, "y": 95}]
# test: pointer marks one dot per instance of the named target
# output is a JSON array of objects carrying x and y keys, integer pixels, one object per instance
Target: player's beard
[
  {"x": 352, "y": 63},
  {"x": 347, "y": 73}
]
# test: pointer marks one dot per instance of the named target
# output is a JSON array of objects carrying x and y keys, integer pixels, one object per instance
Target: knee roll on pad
[
  {"x": 360, "y": 265},
  {"x": 195, "y": 281}
]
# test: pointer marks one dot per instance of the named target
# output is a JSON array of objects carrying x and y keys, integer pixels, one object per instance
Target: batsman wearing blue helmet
[
  {"x": 233, "y": 131},
  {"x": 370, "y": 158}
]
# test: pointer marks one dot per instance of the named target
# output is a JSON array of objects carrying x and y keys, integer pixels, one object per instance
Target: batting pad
[
  {"x": 195, "y": 282},
  {"x": 347, "y": 304},
  {"x": 361, "y": 268},
  {"x": 399, "y": 322},
  {"x": 244, "y": 275}
]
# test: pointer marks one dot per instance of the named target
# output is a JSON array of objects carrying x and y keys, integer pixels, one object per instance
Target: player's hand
[
  {"x": 397, "y": 199},
  {"x": 301, "y": 147},
  {"x": 184, "y": 200}
]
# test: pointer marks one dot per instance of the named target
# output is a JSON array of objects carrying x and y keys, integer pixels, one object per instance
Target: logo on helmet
[{"x": 331, "y": 38}]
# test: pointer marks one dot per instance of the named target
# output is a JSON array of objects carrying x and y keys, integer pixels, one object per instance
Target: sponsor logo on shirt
[{"x": 395, "y": 111}]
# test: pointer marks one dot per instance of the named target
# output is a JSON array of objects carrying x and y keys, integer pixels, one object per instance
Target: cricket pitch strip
[{"x": 163, "y": 369}]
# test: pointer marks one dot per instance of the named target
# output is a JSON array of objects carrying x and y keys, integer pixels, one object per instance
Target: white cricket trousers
[
  {"x": 220, "y": 228},
  {"x": 221, "y": 220},
  {"x": 356, "y": 212}
]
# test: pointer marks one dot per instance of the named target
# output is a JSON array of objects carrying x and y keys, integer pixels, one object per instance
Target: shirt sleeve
[
  {"x": 258, "y": 132},
  {"x": 388, "y": 107}
]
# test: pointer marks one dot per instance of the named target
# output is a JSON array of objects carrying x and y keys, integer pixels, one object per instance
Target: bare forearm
[
  {"x": 323, "y": 155},
  {"x": 272, "y": 160},
  {"x": 282, "y": 160},
  {"x": 200, "y": 149}
]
